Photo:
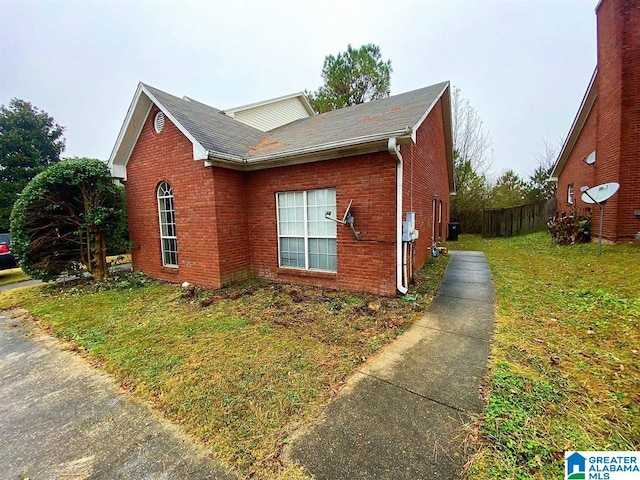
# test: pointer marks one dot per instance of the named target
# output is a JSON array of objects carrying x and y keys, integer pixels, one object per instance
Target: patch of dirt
[
  {"x": 17, "y": 314},
  {"x": 267, "y": 145}
]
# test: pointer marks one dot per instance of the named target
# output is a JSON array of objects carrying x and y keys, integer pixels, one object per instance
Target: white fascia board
[
  {"x": 354, "y": 146},
  {"x": 119, "y": 171},
  {"x": 404, "y": 136},
  {"x": 118, "y": 156},
  {"x": 428, "y": 111},
  {"x": 307, "y": 104},
  {"x": 448, "y": 137},
  {"x": 319, "y": 156},
  {"x": 588, "y": 101},
  {"x": 132, "y": 127},
  {"x": 199, "y": 152},
  {"x": 447, "y": 129}
]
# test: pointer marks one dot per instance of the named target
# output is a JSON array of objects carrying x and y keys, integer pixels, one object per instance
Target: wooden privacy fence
[{"x": 506, "y": 222}]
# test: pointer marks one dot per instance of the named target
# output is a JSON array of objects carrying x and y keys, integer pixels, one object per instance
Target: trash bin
[{"x": 454, "y": 230}]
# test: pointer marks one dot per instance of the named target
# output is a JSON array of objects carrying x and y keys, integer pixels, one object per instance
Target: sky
[{"x": 523, "y": 64}]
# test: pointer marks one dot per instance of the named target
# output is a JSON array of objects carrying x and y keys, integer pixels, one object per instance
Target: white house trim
[
  {"x": 588, "y": 101},
  {"x": 446, "y": 117},
  {"x": 130, "y": 131}
]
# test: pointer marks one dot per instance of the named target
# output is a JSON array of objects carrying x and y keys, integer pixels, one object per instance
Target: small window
[
  {"x": 168, "y": 237},
  {"x": 306, "y": 239},
  {"x": 158, "y": 122},
  {"x": 570, "y": 194}
]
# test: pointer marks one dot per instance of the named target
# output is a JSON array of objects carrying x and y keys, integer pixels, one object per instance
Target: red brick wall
[
  {"x": 609, "y": 105},
  {"x": 425, "y": 175},
  {"x": 232, "y": 224},
  {"x": 168, "y": 156},
  {"x": 618, "y": 146},
  {"x": 629, "y": 194},
  {"x": 577, "y": 172},
  {"x": 365, "y": 265},
  {"x": 616, "y": 134},
  {"x": 226, "y": 220}
]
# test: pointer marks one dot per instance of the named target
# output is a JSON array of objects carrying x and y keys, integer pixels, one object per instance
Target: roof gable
[
  {"x": 579, "y": 121},
  {"x": 273, "y": 113},
  {"x": 208, "y": 129}
]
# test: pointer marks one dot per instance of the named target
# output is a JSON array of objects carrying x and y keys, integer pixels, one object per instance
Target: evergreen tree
[
  {"x": 509, "y": 191},
  {"x": 356, "y": 76},
  {"x": 30, "y": 141}
]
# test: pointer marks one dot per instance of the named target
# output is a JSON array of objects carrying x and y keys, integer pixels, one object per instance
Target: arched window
[{"x": 168, "y": 238}]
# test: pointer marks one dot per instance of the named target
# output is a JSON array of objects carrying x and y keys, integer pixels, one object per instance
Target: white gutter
[
  {"x": 402, "y": 135},
  {"x": 406, "y": 132},
  {"x": 223, "y": 156},
  {"x": 394, "y": 150}
]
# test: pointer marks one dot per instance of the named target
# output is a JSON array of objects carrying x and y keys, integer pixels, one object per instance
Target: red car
[{"x": 7, "y": 260}]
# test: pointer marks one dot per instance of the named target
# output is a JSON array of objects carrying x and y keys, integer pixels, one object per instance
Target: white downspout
[{"x": 394, "y": 150}]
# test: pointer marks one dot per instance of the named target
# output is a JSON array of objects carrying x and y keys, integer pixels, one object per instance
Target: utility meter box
[{"x": 409, "y": 232}]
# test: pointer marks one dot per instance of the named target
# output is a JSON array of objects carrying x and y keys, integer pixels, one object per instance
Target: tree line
[{"x": 475, "y": 188}]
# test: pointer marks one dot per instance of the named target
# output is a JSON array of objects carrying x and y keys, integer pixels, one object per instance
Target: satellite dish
[
  {"x": 347, "y": 212},
  {"x": 600, "y": 193},
  {"x": 591, "y": 158},
  {"x": 347, "y": 219}
]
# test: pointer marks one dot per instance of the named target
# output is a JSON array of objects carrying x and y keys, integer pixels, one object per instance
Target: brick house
[
  {"x": 215, "y": 197},
  {"x": 603, "y": 144}
]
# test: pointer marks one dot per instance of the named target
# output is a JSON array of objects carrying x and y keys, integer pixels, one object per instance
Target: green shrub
[{"x": 68, "y": 214}]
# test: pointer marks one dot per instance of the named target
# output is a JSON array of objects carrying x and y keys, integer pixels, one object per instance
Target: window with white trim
[
  {"x": 306, "y": 239},
  {"x": 168, "y": 238},
  {"x": 570, "y": 193}
]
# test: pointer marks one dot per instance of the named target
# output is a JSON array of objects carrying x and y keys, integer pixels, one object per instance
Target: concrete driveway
[{"x": 62, "y": 419}]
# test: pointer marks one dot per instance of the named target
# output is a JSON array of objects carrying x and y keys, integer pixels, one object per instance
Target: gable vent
[{"x": 158, "y": 122}]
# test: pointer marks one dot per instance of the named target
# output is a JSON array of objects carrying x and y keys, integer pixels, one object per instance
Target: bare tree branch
[{"x": 470, "y": 140}]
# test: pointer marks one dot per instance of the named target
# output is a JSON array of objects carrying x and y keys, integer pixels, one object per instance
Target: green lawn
[
  {"x": 12, "y": 275},
  {"x": 564, "y": 372},
  {"x": 240, "y": 369}
]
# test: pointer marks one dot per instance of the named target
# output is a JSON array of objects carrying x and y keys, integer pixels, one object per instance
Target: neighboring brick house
[
  {"x": 607, "y": 126},
  {"x": 213, "y": 199}
]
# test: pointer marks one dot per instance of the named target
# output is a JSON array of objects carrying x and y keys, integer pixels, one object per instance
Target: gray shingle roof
[
  {"x": 219, "y": 133},
  {"x": 379, "y": 116},
  {"x": 214, "y": 130}
]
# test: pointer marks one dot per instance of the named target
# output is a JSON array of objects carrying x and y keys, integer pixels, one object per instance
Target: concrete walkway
[
  {"x": 24, "y": 283},
  {"x": 31, "y": 282},
  {"x": 62, "y": 419},
  {"x": 402, "y": 414}
]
